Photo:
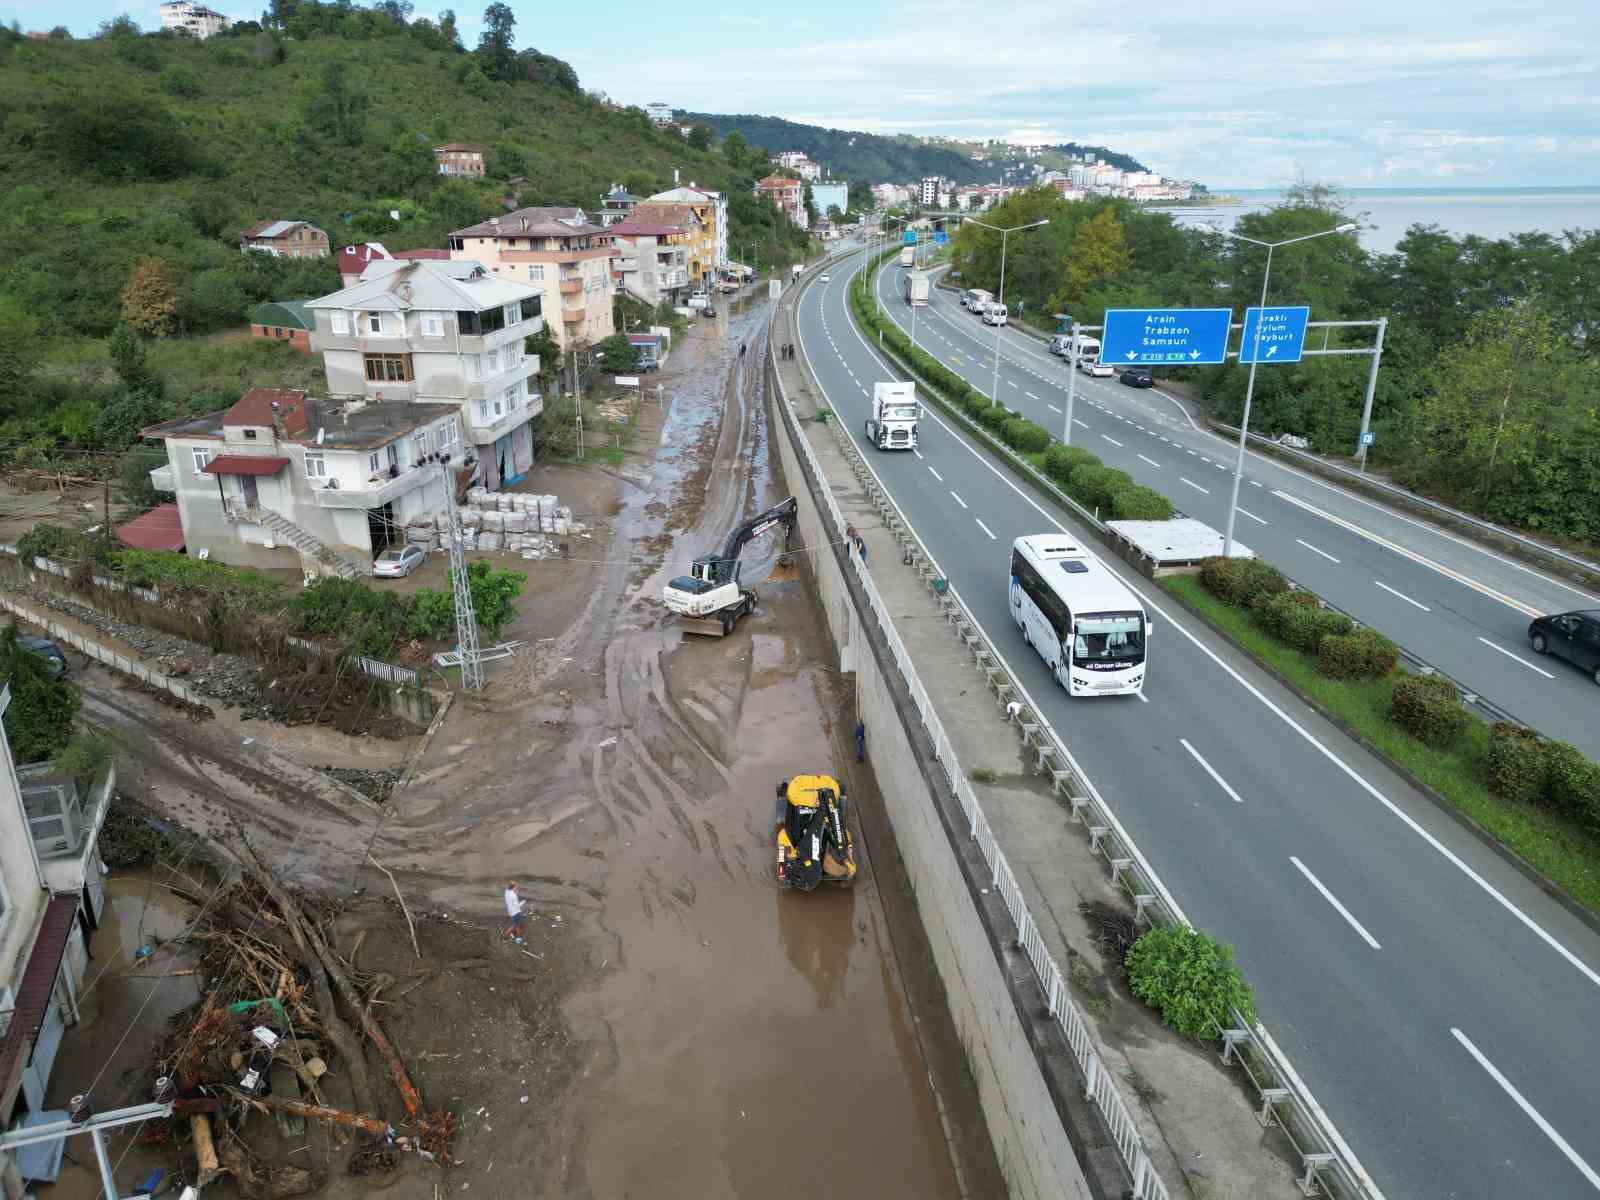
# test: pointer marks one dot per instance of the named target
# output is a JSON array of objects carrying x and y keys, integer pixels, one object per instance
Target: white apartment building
[
  {"x": 703, "y": 200},
  {"x": 653, "y": 260},
  {"x": 800, "y": 163},
  {"x": 196, "y": 20},
  {"x": 441, "y": 332},
  {"x": 658, "y": 112},
  {"x": 281, "y": 478},
  {"x": 928, "y": 194},
  {"x": 559, "y": 254}
]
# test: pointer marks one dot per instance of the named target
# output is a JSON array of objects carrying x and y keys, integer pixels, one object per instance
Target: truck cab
[{"x": 895, "y": 413}]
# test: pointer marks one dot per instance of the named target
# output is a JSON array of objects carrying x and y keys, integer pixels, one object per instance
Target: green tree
[
  {"x": 39, "y": 719},
  {"x": 149, "y": 304},
  {"x": 117, "y": 137},
  {"x": 1098, "y": 254},
  {"x": 338, "y": 112},
  {"x": 181, "y": 82},
  {"x": 810, "y": 204},
  {"x": 118, "y": 425},
  {"x": 139, "y": 494},
  {"x": 494, "y": 595},
  {"x": 616, "y": 354},
  {"x": 448, "y": 33},
  {"x": 122, "y": 26},
  {"x": 495, "y": 55},
  {"x": 700, "y": 137},
  {"x": 735, "y": 149},
  {"x": 128, "y": 357}
]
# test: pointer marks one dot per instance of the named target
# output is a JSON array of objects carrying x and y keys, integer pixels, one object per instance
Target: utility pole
[{"x": 461, "y": 587}]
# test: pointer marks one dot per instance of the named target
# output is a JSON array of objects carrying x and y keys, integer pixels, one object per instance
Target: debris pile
[
  {"x": 344, "y": 699},
  {"x": 269, "y": 1040},
  {"x": 510, "y": 521}
]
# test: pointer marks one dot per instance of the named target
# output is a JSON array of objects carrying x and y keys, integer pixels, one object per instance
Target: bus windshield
[{"x": 1108, "y": 637}]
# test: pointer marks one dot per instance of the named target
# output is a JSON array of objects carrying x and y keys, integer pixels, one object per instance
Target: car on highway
[
  {"x": 399, "y": 561},
  {"x": 54, "y": 658},
  {"x": 1098, "y": 369},
  {"x": 1574, "y": 636},
  {"x": 823, "y": 278},
  {"x": 1059, "y": 343},
  {"x": 1137, "y": 377}
]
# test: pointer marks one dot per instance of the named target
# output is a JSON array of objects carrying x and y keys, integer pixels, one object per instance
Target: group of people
[
  {"x": 856, "y": 542},
  {"x": 786, "y": 351}
]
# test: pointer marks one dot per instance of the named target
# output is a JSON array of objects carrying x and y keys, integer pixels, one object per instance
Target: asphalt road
[
  {"x": 1439, "y": 1006},
  {"x": 1461, "y": 607}
]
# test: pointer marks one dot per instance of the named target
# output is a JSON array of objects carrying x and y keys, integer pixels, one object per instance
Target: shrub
[
  {"x": 1191, "y": 979},
  {"x": 1572, "y": 784},
  {"x": 1097, "y": 486},
  {"x": 1060, "y": 461},
  {"x": 1364, "y": 654},
  {"x": 1290, "y": 619},
  {"x": 1024, "y": 436},
  {"x": 432, "y": 614},
  {"x": 1518, "y": 766},
  {"x": 1327, "y": 624},
  {"x": 1246, "y": 582},
  {"x": 1429, "y": 709},
  {"x": 993, "y": 417},
  {"x": 1140, "y": 503}
]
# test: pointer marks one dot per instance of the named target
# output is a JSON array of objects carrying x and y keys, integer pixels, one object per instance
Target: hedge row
[
  {"x": 1524, "y": 766},
  {"x": 1111, "y": 493}
]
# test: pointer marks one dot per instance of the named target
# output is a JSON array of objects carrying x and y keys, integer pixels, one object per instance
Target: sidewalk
[{"x": 1191, "y": 1112}]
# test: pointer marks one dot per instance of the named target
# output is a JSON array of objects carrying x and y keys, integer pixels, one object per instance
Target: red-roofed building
[
  {"x": 353, "y": 260},
  {"x": 787, "y": 195},
  {"x": 460, "y": 159},
  {"x": 653, "y": 261},
  {"x": 159, "y": 529}
]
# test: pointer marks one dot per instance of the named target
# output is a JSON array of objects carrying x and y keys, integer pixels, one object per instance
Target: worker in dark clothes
[{"x": 861, "y": 741}]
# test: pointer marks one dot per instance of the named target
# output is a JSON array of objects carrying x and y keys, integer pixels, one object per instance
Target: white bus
[{"x": 1061, "y": 594}]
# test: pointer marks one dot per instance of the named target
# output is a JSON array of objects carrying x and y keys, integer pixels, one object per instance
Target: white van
[{"x": 995, "y": 314}]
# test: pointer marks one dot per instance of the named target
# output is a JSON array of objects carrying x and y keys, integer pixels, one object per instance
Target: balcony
[
  {"x": 375, "y": 493},
  {"x": 572, "y": 287},
  {"x": 498, "y": 427},
  {"x": 572, "y": 316},
  {"x": 163, "y": 479},
  {"x": 64, "y": 817}
]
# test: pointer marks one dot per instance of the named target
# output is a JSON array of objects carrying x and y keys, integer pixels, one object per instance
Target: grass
[{"x": 1564, "y": 852}]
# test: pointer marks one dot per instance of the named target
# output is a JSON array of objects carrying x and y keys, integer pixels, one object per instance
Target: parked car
[
  {"x": 1097, "y": 369},
  {"x": 1058, "y": 344},
  {"x": 52, "y": 654},
  {"x": 1137, "y": 377},
  {"x": 1574, "y": 636},
  {"x": 399, "y": 561}
]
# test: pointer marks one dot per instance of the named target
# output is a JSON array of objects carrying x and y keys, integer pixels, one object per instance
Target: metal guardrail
[{"x": 1327, "y": 1165}]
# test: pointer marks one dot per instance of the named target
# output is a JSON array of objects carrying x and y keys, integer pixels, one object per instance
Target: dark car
[
  {"x": 1574, "y": 636},
  {"x": 1137, "y": 377},
  {"x": 55, "y": 660}
]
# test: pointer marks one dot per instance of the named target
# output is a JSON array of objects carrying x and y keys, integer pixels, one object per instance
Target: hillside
[{"x": 875, "y": 158}]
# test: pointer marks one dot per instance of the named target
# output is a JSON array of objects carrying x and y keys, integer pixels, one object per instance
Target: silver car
[{"x": 399, "y": 561}]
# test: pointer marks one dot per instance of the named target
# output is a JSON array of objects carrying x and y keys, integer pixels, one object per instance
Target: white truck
[
  {"x": 895, "y": 413},
  {"x": 994, "y": 314},
  {"x": 914, "y": 287},
  {"x": 978, "y": 300},
  {"x": 908, "y": 256},
  {"x": 1084, "y": 352}
]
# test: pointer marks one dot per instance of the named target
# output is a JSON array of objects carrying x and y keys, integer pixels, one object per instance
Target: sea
[{"x": 1386, "y": 213}]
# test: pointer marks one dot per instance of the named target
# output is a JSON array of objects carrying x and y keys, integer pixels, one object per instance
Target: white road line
[
  {"x": 987, "y": 530},
  {"x": 1252, "y": 483},
  {"x": 1532, "y": 1113},
  {"x": 1194, "y": 485},
  {"x": 1517, "y": 657},
  {"x": 1112, "y": 440},
  {"x": 1196, "y": 452},
  {"x": 1152, "y": 462},
  {"x": 1051, "y": 407},
  {"x": 959, "y": 500},
  {"x": 1392, "y": 592},
  {"x": 1030, "y": 396},
  {"x": 917, "y": 452},
  {"x": 1248, "y": 513},
  {"x": 1447, "y": 572},
  {"x": 1314, "y": 550},
  {"x": 1075, "y": 421},
  {"x": 1450, "y": 856},
  {"x": 1210, "y": 770},
  {"x": 936, "y": 475},
  {"x": 1334, "y": 900},
  {"x": 1142, "y": 697},
  {"x": 1013, "y": 383}
]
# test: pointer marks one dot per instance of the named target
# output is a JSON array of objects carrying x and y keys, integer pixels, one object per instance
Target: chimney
[{"x": 674, "y": 176}]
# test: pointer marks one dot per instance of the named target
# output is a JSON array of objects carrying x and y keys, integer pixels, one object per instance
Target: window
[
  {"x": 499, "y": 405},
  {"x": 536, "y": 273},
  {"x": 513, "y": 313},
  {"x": 316, "y": 465},
  {"x": 382, "y": 324},
  {"x": 477, "y": 324},
  {"x": 432, "y": 325},
  {"x": 419, "y": 447},
  {"x": 450, "y": 432},
  {"x": 483, "y": 412},
  {"x": 388, "y": 368},
  {"x": 474, "y": 365},
  {"x": 514, "y": 394},
  {"x": 202, "y": 457},
  {"x": 372, "y": 462},
  {"x": 341, "y": 323}
]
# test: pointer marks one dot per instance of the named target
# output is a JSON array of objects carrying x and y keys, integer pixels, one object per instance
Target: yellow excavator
[{"x": 813, "y": 833}]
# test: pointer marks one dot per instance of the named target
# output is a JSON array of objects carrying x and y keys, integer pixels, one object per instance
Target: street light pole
[
  {"x": 1255, "y": 357},
  {"x": 994, "y": 387}
]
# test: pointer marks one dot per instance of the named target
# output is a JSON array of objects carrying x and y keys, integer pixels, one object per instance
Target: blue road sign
[
  {"x": 1165, "y": 337},
  {"x": 941, "y": 237},
  {"x": 911, "y": 237},
  {"x": 1368, "y": 438},
  {"x": 1283, "y": 334}
]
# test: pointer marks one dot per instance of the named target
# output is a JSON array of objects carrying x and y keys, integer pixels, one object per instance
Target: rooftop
[
  {"x": 271, "y": 229},
  {"x": 396, "y": 285},
  {"x": 644, "y": 229},
  {"x": 285, "y": 314},
  {"x": 523, "y": 220},
  {"x": 465, "y": 147},
  {"x": 344, "y": 425}
]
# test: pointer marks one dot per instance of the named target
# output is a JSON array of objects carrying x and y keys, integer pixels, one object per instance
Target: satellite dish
[{"x": 320, "y": 432}]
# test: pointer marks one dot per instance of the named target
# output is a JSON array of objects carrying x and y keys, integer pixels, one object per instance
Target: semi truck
[
  {"x": 914, "y": 287},
  {"x": 895, "y": 413},
  {"x": 908, "y": 256}
]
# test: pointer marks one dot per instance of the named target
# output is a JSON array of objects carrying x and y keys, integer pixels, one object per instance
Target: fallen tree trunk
[
  {"x": 205, "y": 1151},
  {"x": 321, "y": 1112}
]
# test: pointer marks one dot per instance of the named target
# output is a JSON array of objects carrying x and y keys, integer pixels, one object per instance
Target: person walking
[
  {"x": 514, "y": 906},
  {"x": 861, "y": 548},
  {"x": 861, "y": 741}
]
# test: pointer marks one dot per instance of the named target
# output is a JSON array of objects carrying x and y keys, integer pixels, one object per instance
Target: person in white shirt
[{"x": 514, "y": 903}]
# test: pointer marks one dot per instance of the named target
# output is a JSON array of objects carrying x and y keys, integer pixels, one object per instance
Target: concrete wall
[{"x": 1022, "y": 1068}]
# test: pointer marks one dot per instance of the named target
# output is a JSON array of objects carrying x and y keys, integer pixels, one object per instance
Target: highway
[
  {"x": 1440, "y": 1006},
  {"x": 1461, "y": 607}
]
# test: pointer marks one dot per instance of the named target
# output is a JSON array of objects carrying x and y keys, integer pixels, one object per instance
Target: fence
[{"x": 1327, "y": 1165}]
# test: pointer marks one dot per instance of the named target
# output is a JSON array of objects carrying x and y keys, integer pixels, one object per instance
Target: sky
[{"x": 1234, "y": 93}]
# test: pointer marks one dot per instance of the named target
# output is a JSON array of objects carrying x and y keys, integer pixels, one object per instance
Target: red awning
[
  {"x": 159, "y": 529},
  {"x": 245, "y": 464},
  {"x": 37, "y": 983}
]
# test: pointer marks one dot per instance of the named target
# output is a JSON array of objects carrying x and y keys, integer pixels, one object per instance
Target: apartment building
[
  {"x": 441, "y": 332},
  {"x": 460, "y": 159},
  {"x": 658, "y": 112},
  {"x": 286, "y": 239},
  {"x": 196, "y": 20},
  {"x": 787, "y": 195},
  {"x": 800, "y": 163},
  {"x": 711, "y": 208},
  {"x": 700, "y": 235},
  {"x": 281, "y": 479},
  {"x": 652, "y": 261},
  {"x": 355, "y": 259},
  {"x": 557, "y": 252},
  {"x": 616, "y": 205}
]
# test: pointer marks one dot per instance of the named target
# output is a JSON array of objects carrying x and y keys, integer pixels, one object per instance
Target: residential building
[
  {"x": 830, "y": 195},
  {"x": 196, "y": 20},
  {"x": 353, "y": 260},
  {"x": 616, "y": 205},
  {"x": 460, "y": 158},
  {"x": 890, "y": 195},
  {"x": 658, "y": 112},
  {"x": 653, "y": 261},
  {"x": 787, "y": 195},
  {"x": 281, "y": 477},
  {"x": 51, "y": 898},
  {"x": 800, "y": 163},
  {"x": 557, "y": 252},
  {"x": 447, "y": 333},
  {"x": 284, "y": 320},
  {"x": 711, "y": 208},
  {"x": 286, "y": 239},
  {"x": 700, "y": 234},
  {"x": 928, "y": 192}
]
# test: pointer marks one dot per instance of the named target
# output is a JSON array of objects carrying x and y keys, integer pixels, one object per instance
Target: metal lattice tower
[{"x": 460, "y": 585}]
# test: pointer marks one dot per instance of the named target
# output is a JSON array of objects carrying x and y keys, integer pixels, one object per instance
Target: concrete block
[
  {"x": 504, "y": 502},
  {"x": 516, "y": 522},
  {"x": 488, "y": 541}
]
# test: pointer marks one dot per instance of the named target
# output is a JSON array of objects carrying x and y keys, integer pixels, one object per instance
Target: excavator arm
[{"x": 724, "y": 568}]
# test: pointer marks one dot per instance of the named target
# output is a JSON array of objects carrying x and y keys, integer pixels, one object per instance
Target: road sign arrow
[
  {"x": 1132, "y": 354},
  {"x": 1194, "y": 354},
  {"x": 1271, "y": 351}
]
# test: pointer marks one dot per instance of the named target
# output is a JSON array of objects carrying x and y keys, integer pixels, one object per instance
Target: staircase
[{"x": 316, "y": 556}]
